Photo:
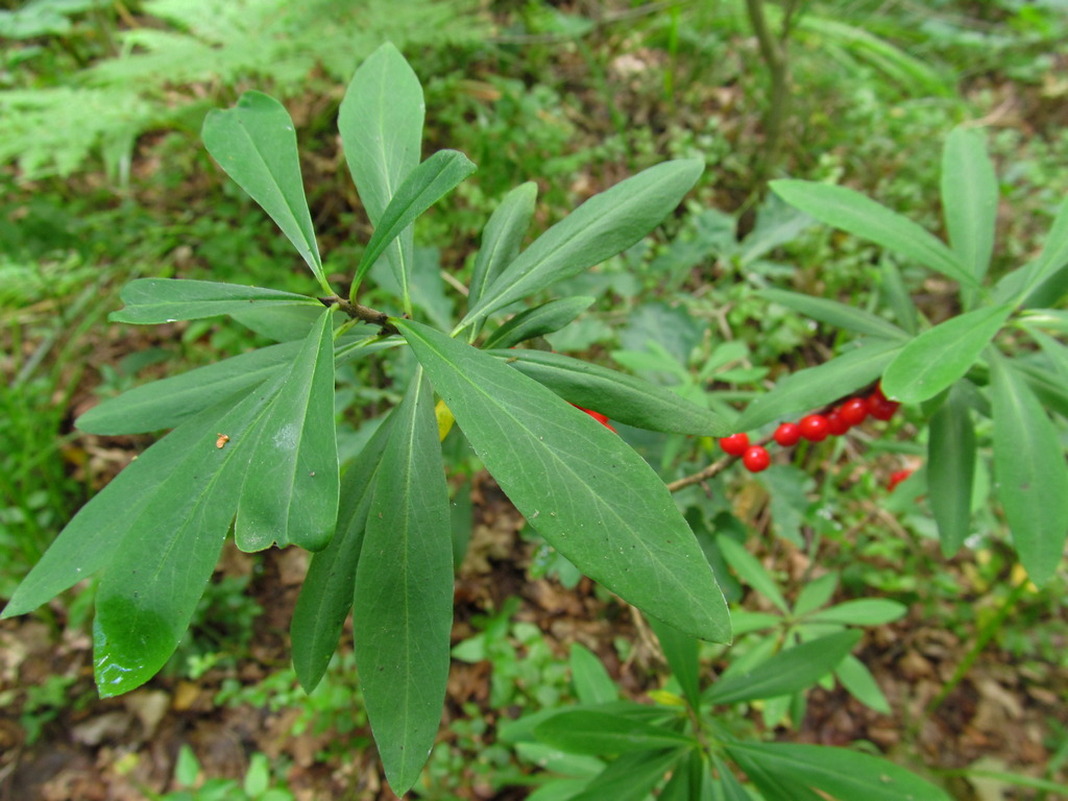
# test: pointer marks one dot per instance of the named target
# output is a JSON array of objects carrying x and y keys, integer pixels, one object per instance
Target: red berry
[
  {"x": 814, "y": 427},
  {"x": 836, "y": 425},
  {"x": 854, "y": 411},
  {"x": 880, "y": 407},
  {"x": 896, "y": 478},
  {"x": 787, "y": 434},
  {"x": 735, "y": 444},
  {"x": 756, "y": 459},
  {"x": 600, "y": 418}
]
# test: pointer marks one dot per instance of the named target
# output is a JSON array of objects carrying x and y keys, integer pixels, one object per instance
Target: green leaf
[
  {"x": 423, "y": 187},
  {"x": 592, "y": 683},
  {"x": 751, "y": 571},
  {"x": 291, "y": 493},
  {"x": 631, "y": 777},
  {"x": 861, "y": 612},
  {"x": 815, "y": 594},
  {"x": 603, "y": 226},
  {"x": 163, "y": 300},
  {"x": 539, "y": 321},
  {"x": 172, "y": 536},
  {"x": 327, "y": 593},
  {"x": 254, "y": 142},
  {"x": 1056, "y": 351},
  {"x": 857, "y": 679},
  {"x": 834, "y": 313},
  {"x": 969, "y": 198},
  {"x": 404, "y": 585},
  {"x": 817, "y": 386},
  {"x": 1043, "y": 281},
  {"x": 787, "y": 672},
  {"x": 942, "y": 355},
  {"x": 1057, "y": 319},
  {"x": 632, "y": 401},
  {"x": 680, "y": 651},
  {"x": 1032, "y": 477},
  {"x": 897, "y": 296},
  {"x": 381, "y": 125},
  {"x": 501, "y": 238},
  {"x": 844, "y": 774},
  {"x": 861, "y": 216},
  {"x": 730, "y": 789},
  {"x": 951, "y": 469},
  {"x": 602, "y": 734},
  {"x": 585, "y": 490}
]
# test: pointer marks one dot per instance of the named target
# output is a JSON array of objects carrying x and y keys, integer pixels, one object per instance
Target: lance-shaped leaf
[
  {"x": 1032, "y": 477},
  {"x": 861, "y": 216},
  {"x": 595, "y": 732},
  {"x": 291, "y": 492},
  {"x": 631, "y": 777},
  {"x": 152, "y": 583},
  {"x": 942, "y": 355},
  {"x": 1043, "y": 281},
  {"x": 501, "y": 238},
  {"x": 951, "y": 470},
  {"x": 585, "y": 490},
  {"x": 327, "y": 593},
  {"x": 163, "y": 300},
  {"x": 632, "y": 401},
  {"x": 539, "y": 321},
  {"x": 838, "y": 772},
  {"x": 381, "y": 126},
  {"x": 969, "y": 198},
  {"x": 255, "y": 143},
  {"x": 603, "y": 226},
  {"x": 423, "y": 187},
  {"x": 404, "y": 592},
  {"x": 817, "y": 386},
  {"x": 680, "y": 651},
  {"x": 834, "y": 313}
]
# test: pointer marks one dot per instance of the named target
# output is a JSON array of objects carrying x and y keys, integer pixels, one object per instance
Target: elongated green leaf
[
  {"x": 772, "y": 786},
  {"x": 539, "y": 321},
  {"x": 861, "y": 612},
  {"x": 423, "y": 187},
  {"x": 861, "y": 216},
  {"x": 592, "y": 683},
  {"x": 501, "y": 238},
  {"x": 815, "y": 594},
  {"x": 845, "y": 775},
  {"x": 254, "y": 142},
  {"x": 730, "y": 789},
  {"x": 381, "y": 125},
  {"x": 1057, "y": 319},
  {"x": 817, "y": 386},
  {"x": 680, "y": 650},
  {"x": 1032, "y": 477},
  {"x": 585, "y": 490},
  {"x": 632, "y": 401},
  {"x": 834, "y": 313},
  {"x": 153, "y": 581},
  {"x": 942, "y": 355},
  {"x": 603, "y": 226},
  {"x": 751, "y": 571},
  {"x": 167, "y": 402},
  {"x": 951, "y": 470},
  {"x": 969, "y": 198},
  {"x": 404, "y": 592},
  {"x": 787, "y": 672},
  {"x": 1044, "y": 281},
  {"x": 291, "y": 493},
  {"x": 601, "y": 734},
  {"x": 1056, "y": 351},
  {"x": 163, "y": 300},
  {"x": 631, "y": 777},
  {"x": 857, "y": 679},
  {"x": 327, "y": 593}
]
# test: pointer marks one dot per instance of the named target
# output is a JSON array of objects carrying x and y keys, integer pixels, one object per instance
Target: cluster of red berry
[{"x": 814, "y": 427}]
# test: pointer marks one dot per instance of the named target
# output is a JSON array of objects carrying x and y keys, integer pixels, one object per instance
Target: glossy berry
[
  {"x": 814, "y": 427},
  {"x": 600, "y": 418},
  {"x": 735, "y": 444},
  {"x": 756, "y": 459},
  {"x": 896, "y": 478},
  {"x": 880, "y": 407},
  {"x": 854, "y": 411},
  {"x": 787, "y": 434},
  {"x": 836, "y": 424}
]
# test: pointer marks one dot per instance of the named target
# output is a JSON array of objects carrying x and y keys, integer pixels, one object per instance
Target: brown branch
[{"x": 363, "y": 313}]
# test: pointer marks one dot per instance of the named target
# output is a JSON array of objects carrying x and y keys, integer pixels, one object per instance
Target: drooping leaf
[
  {"x": 585, "y": 490},
  {"x": 421, "y": 189},
  {"x": 538, "y": 321},
  {"x": 327, "y": 593},
  {"x": 255, "y": 143},
  {"x": 603, "y": 226},
  {"x": 150, "y": 301},
  {"x": 834, "y": 313},
  {"x": 844, "y": 774},
  {"x": 404, "y": 592},
  {"x": 951, "y": 470},
  {"x": 680, "y": 650},
  {"x": 1031, "y": 474},
  {"x": 861, "y": 216},
  {"x": 600, "y": 733},
  {"x": 630, "y": 400},
  {"x": 969, "y": 198},
  {"x": 942, "y": 355},
  {"x": 381, "y": 125},
  {"x": 809, "y": 389},
  {"x": 786, "y": 672},
  {"x": 291, "y": 492},
  {"x": 501, "y": 238}
]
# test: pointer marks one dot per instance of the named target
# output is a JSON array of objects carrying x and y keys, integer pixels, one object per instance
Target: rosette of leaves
[{"x": 253, "y": 446}]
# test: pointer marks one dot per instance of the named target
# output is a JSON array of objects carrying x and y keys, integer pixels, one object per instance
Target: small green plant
[{"x": 256, "y": 785}]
